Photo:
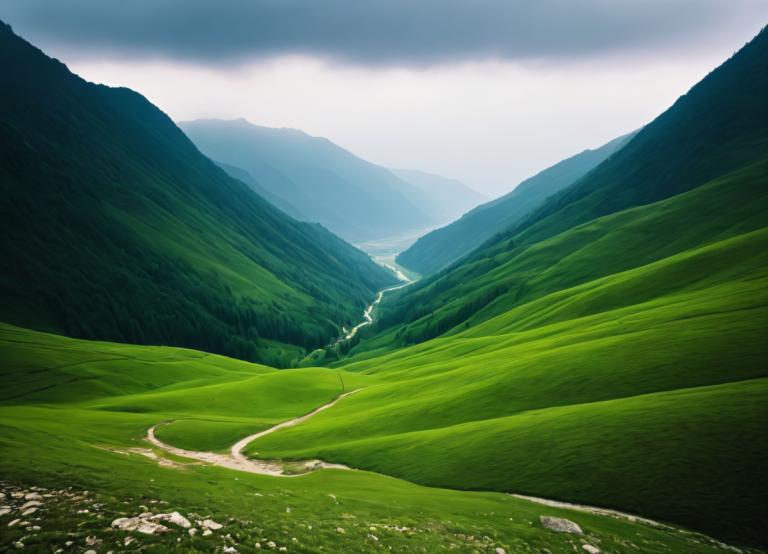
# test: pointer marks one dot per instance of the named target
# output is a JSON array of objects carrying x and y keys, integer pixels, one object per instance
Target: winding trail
[{"x": 235, "y": 459}]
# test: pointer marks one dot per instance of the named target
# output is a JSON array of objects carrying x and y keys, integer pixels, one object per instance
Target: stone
[
  {"x": 192, "y": 532},
  {"x": 340, "y": 530},
  {"x": 5, "y": 510},
  {"x": 591, "y": 549},
  {"x": 14, "y": 522},
  {"x": 207, "y": 532},
  {"x": 229, "y": 550},
  {"x": 92, "y": 541},
  {"x": 33, "y": 496},
  {"x": 90, "y": 551},
  {"x": 31, "y": 504},
  {"x": 560, "y": 525},
  {"x": 271, "y": 544},
  {"x": 140, "y": 525},
  {"x": 18, "y": 544},
  {"x": 210, "y": 524},
  {"x": 29, "y": 511},
  {"x": 500, "y": 550},
  {"x": 174, "y": 517}
]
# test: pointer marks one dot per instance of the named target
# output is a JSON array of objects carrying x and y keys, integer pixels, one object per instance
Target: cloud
[{"x": 375, "y": 32}]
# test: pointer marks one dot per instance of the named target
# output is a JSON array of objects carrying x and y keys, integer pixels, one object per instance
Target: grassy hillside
[
  {"x": 84, "y": 428},
  {"x": 443, "y": 246},
  {"x": 631, "y": 373},
  {"x": 114, "y": 226},
  {"x": 321, "y": 181}
]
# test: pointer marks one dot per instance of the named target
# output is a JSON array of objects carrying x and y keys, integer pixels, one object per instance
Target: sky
[{"x": 486, "y": 91}]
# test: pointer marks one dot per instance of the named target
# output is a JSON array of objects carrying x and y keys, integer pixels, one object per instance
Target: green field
[{"x": 99, "y": 399}]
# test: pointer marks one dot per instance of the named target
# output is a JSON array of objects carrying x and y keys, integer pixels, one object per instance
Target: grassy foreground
[{"x": 71, "y": 411}]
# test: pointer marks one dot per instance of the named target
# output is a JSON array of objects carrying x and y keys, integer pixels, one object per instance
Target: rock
[
  {"x": 283, "y": 549},
  {"x": 560, "y": 525},
  {"x": 174, "y": 517},
  {"x": 30, "y": 504},
  {"x": 257, "y": 546},
  {"x": 14, "y": 522},
  {"x": 18, "y": 544},
  {"x": 5, "y": 510},
  {"x": 145, "y": 515},
  {"x": 33, "y": 496},
  {"x": 128, "y": 541},
  {"x": 29, "y": 512},
  {"x": 210, "y": 524},
  {"x": 140, "y": 525},
  {"x": 271, "y": 544},
  {"x": 591, "y": 549},
  {"x": 207, "y": 532},
  {"x": 192, "y": 532},
  {"x": 90, "y": 552},
  {"x": 229, "y": 550},
  {"x": 340, "y": 530},
  {"x": 500, "y": 550},
  {"x": 34, "y": 528},
  {"x": 69, "y": 543},
  {"x": 374, "y": 538},
  {"x": 92, "y": 541}
]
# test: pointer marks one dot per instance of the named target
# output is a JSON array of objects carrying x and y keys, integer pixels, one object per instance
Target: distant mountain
[
  {"x": 324, "y": 183},
  {"x": 114, "y": 226},
  {"x": 443, "y": 246},
  {"x": 447, "y": 198}
]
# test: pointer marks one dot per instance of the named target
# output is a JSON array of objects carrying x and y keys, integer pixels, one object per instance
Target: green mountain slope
[
  {"x": 114, "y": 226},
  {"x": 643, "y": 389},
  {"x": 720, "y": 126},
  {"x": 354, "y": 198},
  {"x": 443, "y": 246}
]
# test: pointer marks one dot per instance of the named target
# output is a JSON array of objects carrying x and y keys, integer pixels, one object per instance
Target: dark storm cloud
[{"x": 370, "y": 32}]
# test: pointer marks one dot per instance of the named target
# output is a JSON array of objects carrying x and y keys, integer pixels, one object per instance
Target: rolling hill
[
  {"x": 114, "y": 226},
  {"x": 85, "y": 429},
  {"x": 445, "y": 245},
  {"x": 319, "y": 180}
]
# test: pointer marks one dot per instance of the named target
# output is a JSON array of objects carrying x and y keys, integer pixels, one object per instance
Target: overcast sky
[{"x": 486, "y": 91}]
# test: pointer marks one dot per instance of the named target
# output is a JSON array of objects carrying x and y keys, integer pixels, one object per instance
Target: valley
[{"x": 217, "y": 336}]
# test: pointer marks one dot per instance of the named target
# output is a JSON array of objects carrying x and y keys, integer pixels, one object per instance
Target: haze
[{"x": 489, "y": 95}]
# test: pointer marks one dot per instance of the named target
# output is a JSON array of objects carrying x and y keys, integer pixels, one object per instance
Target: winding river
[{"x": 368, "y": 313}]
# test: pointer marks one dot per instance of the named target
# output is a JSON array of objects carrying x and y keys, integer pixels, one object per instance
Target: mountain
[
  {"x": 608, "y": 350},
  {"x": 447, "y": 198},
  {"x": 114, "y": 226},
  {"x": 242, "y": 175},
  {"x": 324, "y": 183},
  {"x": 443, "y": 246},
  {"x": 718, "y": 127}
]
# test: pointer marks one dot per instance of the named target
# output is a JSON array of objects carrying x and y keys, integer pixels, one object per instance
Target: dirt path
[{"x": 238, "y": 461}]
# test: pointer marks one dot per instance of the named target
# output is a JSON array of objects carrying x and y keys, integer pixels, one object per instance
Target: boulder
[
  {"x": 560, "y": 525},
  {"x": 210, "y": 524},
  {"x": 140, "y": 525},
  {"x": 174, "y": 517},
  {"x": 591, "y": 549}
]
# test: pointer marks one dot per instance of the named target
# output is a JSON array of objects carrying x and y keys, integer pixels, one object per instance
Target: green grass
[
  {"x": 621, "y": 365},
  {"x": 48, "y": 439}
]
